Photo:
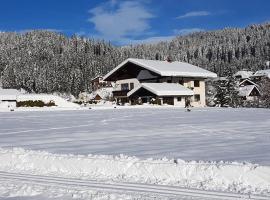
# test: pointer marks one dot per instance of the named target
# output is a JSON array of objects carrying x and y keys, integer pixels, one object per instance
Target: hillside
[{"x": 45, "y": 62}]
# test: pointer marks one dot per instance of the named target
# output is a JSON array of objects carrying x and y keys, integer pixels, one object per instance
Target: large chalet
[{"x": 162, "y": 82}]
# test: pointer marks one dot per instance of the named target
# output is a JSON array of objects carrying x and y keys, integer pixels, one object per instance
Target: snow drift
[{"x": 233, "y": 177}]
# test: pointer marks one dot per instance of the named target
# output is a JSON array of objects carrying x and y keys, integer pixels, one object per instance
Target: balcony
[{"x": 120, "y": 93}]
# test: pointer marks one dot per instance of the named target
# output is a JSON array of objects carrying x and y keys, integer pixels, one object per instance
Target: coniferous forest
[{"x": 46, "y": 62}]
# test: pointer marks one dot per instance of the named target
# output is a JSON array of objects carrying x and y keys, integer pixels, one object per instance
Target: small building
[
  {"x": 166, "y": 82},
  {"x": 9, "y": 97},
  {"x": 260, "y": 74},
  {"x": 98, "y": 83},
  {"x": 243, "y": 74},
  {"x": 249, "y": 90}
]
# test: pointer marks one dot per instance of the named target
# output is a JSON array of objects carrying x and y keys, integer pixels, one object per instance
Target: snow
[
  {"x": 9, "y": 94},
  {"x": 164, "y": 89},
  {"x": 249, "y": 82},
  {"x": 207, "y": 148},
  {"x": 265, "y": 72},
  {"x": 16, "y": 95},
  {"x": 165, "y": 68},
  {"x": 104, "y": 93},
  {"x": 234, "y": 177},
  {"x": 245, "y": 91},
  {"x": 46, "y": 98},
  {"x": 155, "y": 131},
  {"x": 244, "y": 74}
]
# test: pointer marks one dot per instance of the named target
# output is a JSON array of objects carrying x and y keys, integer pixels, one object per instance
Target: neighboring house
[
  {"x": 98, "y": 83},
  {"x": 260, "y": 74},
  {"x": 243, "y": 74},
  {"x": 101, "y": 94},
  {"x": 249, "y": 90},
  {"x": 9, "y": 97},
  {"x": 142, "y": 81}
]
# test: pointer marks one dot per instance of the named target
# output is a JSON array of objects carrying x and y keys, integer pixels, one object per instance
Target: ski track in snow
[{"x": 160, "y": 190}]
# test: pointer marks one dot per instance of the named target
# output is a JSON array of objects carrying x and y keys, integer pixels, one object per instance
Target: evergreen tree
[{"x": 265, "y": 92}]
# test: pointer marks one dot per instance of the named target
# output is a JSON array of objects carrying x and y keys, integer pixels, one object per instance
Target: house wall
[
  {"x": 189, "y": 83},
  {"x": 118, "y": 83},
  {"x": 179, "y": 103}
]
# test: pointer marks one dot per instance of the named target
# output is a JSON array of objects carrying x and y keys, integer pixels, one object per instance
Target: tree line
[{"x": 46, "y": 62}]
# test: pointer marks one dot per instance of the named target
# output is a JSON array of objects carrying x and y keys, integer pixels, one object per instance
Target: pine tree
[{"x": 265, "y": 92}]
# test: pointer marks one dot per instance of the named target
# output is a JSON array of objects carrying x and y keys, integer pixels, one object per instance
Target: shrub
[{"x": 36, "y": 103}]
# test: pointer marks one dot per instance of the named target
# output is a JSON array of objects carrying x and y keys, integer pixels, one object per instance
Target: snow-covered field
[{"x": 224, "y": 150}]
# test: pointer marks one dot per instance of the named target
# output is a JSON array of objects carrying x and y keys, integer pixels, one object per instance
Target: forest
[{"x": 45, "y": 62}]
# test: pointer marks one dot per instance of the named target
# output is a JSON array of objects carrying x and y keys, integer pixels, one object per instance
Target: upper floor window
[
  {"x": 131, "y": 86},
  {"x": 124, "y": 86},
  {"x": 196, "y": 83}
]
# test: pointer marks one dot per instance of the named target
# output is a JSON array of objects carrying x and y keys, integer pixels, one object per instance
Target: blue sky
[{"x": 127, "y": 21}]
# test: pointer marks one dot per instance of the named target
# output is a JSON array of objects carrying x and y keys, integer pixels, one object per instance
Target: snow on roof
[
  {"x": 246, "y": 90},
  {"x": 243, "y": 74},
  {"x": 102, "y": 92},
  {"x": 247, "y": 80},
  {"x": 165, "y": 68},
  {"x": 265, "y": 72},
  {"x": 164, "y": 89},
  {"x": 9, "y": 94}
]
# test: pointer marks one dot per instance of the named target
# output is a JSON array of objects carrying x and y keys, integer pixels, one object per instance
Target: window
[
  {"x": 124, "y": 86},
  {"x": 131, "y": 86},
  {"x": 179, "y": 98},
  {"x": 169, "y": 81},
  {"x": 196, "y": 83},
  {"x": 197, "y": 97}
]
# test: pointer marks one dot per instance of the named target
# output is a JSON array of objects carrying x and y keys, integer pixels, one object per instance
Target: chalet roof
[
  {"x": 165, "y": 68},
  {"x": 245, "y": 91},
  {"x": 243, "y": 74},
  {"x": 247, "y": 80},
  {"x": 265, "y": 72},
  {"x": 164, "y": 89}
]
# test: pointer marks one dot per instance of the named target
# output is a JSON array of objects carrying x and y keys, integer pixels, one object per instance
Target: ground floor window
[
  {"x": 179, "y": 98},
  {"x": 197, "y": 97}
]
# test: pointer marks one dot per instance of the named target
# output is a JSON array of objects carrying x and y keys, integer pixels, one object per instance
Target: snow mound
[{"x": 222, "y": 176}]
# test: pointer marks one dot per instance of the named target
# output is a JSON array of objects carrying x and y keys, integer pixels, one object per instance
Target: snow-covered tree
[{"x": 265, "y": 92}]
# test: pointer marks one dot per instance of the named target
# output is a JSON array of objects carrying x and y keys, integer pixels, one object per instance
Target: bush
[{"x": 36, "y": 103}]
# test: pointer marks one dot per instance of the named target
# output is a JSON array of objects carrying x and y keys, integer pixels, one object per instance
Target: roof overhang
[{"x": 139, "y": 62}]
